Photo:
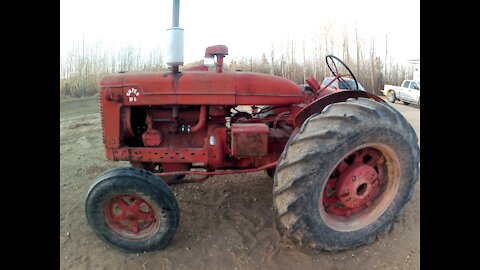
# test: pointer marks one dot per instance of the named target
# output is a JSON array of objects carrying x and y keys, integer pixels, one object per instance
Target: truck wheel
[
  {"x": 346, "y": 175},
  {"x": 391, "y": 96},
  {"x": 132, "y": 209}
]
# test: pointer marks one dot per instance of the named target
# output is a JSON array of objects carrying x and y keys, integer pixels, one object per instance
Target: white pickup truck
[{"x": 409, "y": 92}]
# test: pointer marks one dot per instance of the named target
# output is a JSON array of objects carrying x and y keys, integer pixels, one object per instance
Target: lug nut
[{"x": 354, "y": 178}]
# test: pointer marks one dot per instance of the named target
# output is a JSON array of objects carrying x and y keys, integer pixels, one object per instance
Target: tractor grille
[{"x": 101, "y": 114}]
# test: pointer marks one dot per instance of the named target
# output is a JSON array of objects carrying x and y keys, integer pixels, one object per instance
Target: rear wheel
[
  {"x": 353, "y": 181},
  {"x": 132, "y": 209}
]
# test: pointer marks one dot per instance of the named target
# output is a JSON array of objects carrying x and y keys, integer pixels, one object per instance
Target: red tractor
[{"x": 344, "y": 163}]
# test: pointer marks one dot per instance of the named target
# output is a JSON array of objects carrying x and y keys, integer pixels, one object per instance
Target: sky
[{"x": 247, "y": 27}]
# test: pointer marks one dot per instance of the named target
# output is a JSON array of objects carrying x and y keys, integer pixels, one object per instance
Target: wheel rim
[
  {"x": 131, "y": 217},
  {"x": 360, "y": 187}
]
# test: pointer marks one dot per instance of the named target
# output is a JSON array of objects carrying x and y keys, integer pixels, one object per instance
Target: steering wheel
[{"x": 336, "y": 72}]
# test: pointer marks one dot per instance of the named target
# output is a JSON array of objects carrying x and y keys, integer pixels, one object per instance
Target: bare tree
[
  {"x": 304, "y": 60},
  {"x": 272, "y": 60},
  {"x": 346, "y": 56},
  {"x": 357, "y": 39},
  {"x": 85, "y": 64},
  {"x": 372, "y": 64},
  {"x": 292, "y": 59},
  {"x": 386, "y": 50}
]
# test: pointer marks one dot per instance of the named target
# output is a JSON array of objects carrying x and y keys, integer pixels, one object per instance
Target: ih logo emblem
[{"x": 132, "y": 94}]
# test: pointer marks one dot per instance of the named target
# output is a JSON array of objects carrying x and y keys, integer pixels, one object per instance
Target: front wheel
[
  {"x": 132, "y": 209},
  {"x": 346, "y": 175}
]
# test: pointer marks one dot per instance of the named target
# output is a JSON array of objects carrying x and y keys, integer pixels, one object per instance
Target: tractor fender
[{"x": 318, "y": 105}]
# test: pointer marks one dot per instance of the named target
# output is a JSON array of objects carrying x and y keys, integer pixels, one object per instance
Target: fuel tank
[{"x": 202, "y": 88}]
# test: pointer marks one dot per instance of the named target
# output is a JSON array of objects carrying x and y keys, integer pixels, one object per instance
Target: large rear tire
[
  {"x": 346, "y": 175},
  {"x": 132, "y": 209}
]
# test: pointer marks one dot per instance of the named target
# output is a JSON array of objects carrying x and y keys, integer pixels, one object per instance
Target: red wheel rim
[
  {"x": 360, "y": 187},
  {"x": 131, "y": 217}
]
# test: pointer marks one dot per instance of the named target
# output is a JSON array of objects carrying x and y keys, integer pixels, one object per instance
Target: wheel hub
[
  {"x": 356, "y": 185},
  {"x": 130, "y": 216}
]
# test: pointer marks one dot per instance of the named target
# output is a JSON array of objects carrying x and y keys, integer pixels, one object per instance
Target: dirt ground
[{"x": 226, "y": 222}]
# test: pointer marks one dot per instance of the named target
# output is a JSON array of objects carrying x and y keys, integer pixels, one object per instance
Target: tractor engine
[{"x": 197, "y": 119}]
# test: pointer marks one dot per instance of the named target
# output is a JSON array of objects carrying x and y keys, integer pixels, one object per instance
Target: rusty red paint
[
  {"x": 318, "y": 105},
  {"x": 110, "y": 114},
  {"x": 160, "y": 155},
  {"x": 261, "y": 168},
  {"x": 175, "y": 167},
  {"x": 216, "y": 50},
  {"x": 313, "y": 83},
  {"x": 219, "y": 66},
  {"x": 130, "y": 216},
  {"x": 249, "y": 140},
  {"x": 206, "y": 88},
  {"x": 152, "y": 137},
  {"x": 357, "y": 185},
  {"x": 126, "y": 123},
  {"x": 174, "y": 120},
  {"x": 201, "y": 120},
  {"x": 160, "y": 138},
  {"x": 354, "y": 184}
]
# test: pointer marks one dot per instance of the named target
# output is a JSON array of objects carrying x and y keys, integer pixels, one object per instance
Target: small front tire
[{"x": 132, "y": 209}]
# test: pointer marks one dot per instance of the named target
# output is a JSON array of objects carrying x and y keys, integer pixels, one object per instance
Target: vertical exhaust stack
[{"x": 174, "y": 55}]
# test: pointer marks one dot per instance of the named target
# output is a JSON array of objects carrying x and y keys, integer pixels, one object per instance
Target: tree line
[
  {"x": 295, "y": 61},
  {"x": 85, "y": 64}
]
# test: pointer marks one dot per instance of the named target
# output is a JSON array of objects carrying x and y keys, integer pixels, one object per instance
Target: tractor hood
[{"x": 203, "y": 88}]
